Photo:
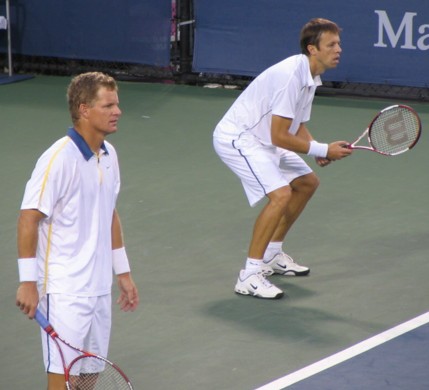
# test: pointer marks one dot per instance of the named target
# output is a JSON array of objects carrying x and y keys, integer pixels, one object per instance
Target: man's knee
[
  {"x": 280, "y": 197},
  {"x": 307, "y": 183}
]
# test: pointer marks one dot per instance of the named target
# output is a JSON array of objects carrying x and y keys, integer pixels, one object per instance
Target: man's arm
[
  {"x": 27, "y": 296},
  {"x": 117, "y": 234},
  {"x": 300, "y": 143},
  {"x": 281, "y": 137},
  {"x": 129, "y": 297}
]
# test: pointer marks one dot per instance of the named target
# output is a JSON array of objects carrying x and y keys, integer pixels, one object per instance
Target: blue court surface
[
  {"x": 395, "y": 359},
  {"x": 6, "y": 79}
]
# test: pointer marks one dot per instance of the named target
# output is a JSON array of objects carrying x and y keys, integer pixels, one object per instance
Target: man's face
[
  {"x": 104, "y": 113},
  {"x": 327, "y": 55}
]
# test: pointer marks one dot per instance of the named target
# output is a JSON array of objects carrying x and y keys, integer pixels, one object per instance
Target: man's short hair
[{"x": 313, "y": 30}]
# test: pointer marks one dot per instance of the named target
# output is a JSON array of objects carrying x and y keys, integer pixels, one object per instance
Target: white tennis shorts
[
  {"x": 261, "y": 168},
  {"x": 84, "y": 322}
]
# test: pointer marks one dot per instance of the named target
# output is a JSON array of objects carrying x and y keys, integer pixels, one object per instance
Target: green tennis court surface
[{"x": 187, "y": 224}]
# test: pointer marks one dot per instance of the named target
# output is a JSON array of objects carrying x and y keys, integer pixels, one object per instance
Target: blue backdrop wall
[
  {"x": 134, "y": 31},
  {"x": 384, "y": 41}
]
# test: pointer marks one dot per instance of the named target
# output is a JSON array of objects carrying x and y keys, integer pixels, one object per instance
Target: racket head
[
  {"x": 394, "y": 130},
  {"x": 95, "y": 373},
  {"x": 87, "y": 371}
]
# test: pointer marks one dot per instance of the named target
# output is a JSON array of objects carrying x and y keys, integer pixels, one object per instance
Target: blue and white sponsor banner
[
  {"x": 384, "y": 42},
  {"x": 133, "y": 31}
]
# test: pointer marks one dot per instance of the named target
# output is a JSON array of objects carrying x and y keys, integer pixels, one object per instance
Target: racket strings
[
  {"x": 395, "y": 130},
  {"x": 108, "y": 378}
]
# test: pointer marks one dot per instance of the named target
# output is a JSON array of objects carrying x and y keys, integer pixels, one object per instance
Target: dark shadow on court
[{"x": 279, "y": 321}]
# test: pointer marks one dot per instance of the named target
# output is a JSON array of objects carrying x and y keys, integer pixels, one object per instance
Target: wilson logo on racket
[{"x": 396, "y": 131}]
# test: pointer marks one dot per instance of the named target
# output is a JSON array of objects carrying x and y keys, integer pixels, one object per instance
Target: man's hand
[
  {"x": 322, "y": 161},
  {"x": 338, "y": 150},
  {"x": 129, "y": 297},
  {"x": 27, "y": 298}
]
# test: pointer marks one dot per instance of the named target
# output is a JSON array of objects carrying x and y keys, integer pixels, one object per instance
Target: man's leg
[
  {"x": 283, "y": 208},
  {"x": 268, "y": 221},
  {"x": 251, "y": 280},
  {"x": 56, "y": 381},
  {"x": 303, "y": 189}
]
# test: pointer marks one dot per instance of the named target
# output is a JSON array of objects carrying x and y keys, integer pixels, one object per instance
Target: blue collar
[{"x": 82, "y": 145}]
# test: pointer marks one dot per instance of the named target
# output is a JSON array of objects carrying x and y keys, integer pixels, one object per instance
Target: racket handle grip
[{"x": 40, "y": 318}]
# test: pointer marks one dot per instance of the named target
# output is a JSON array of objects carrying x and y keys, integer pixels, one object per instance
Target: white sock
[
  {"x": 252, "y": 265},
  {"x": 272, "y": 249}
]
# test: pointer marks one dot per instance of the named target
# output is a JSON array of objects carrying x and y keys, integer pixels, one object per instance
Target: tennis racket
[
  {"x": 394, "y": 130},
  {"x": 87, "y": 371}
]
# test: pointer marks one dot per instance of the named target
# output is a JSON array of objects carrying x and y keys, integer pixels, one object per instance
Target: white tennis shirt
[
  {"x": 285, "y": 89},
  {"x": 77, "y": 191}
]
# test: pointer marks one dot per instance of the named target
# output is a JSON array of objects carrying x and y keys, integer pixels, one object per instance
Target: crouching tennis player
[{"x": 259, "y": 139}]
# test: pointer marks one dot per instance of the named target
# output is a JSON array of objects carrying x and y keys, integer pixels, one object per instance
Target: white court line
[{"x": 346, "y": 354}]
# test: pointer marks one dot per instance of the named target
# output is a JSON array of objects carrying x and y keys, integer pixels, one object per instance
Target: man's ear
[
  {"x": 312, "y": 49},
  {"x": 83, "y": 110}
]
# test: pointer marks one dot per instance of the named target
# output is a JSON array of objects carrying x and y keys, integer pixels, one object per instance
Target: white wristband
[
  {"x": 27, "y": 268},
  {"x": 120, "y": 261},
  {"x": 317, "y": 149}
]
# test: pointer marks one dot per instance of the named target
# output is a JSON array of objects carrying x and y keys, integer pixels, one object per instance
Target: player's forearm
[
  {"x": 27, "y": 234},
  {"x": 281, "y": 137},
  {"x": 117, "y": 234},
  {"x": 304, "y": 133},
  {"x": 291, "y": 142}
]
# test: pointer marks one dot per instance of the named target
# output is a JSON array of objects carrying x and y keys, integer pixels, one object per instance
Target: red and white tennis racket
[
  {"x": 95, "y": 372},
  {"x": 394, "y": 130}
]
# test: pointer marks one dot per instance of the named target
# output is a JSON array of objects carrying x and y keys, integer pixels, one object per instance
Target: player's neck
[
  {"x": 92, "y": 138},
  {"x": 316, "y": 69}
]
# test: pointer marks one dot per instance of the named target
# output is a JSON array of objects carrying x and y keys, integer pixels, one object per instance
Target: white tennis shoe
[
  {"x": 283, "y": 264},
  {"x": 257, "y": 286}
]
